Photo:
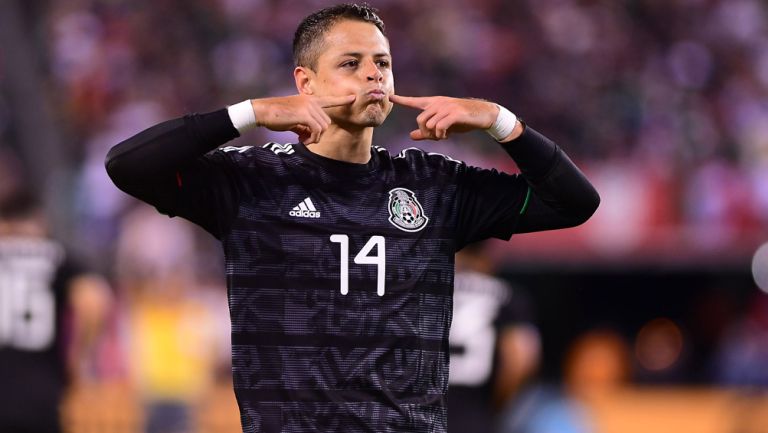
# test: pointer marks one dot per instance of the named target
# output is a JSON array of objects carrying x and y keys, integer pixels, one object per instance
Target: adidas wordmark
[{"x": 305, "y": 209}]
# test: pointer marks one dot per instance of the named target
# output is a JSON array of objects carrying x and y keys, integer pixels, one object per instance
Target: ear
[{"x": 303, "y": 77}]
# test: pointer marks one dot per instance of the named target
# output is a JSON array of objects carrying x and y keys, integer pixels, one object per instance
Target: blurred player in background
[
  {"x": 340, "y": 256},
  {"x": 51, "y": 313},
  {"x": 495, "y": 345}
]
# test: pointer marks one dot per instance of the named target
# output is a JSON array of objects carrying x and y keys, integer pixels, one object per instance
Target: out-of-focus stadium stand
[{"x": 663, "y": 103}]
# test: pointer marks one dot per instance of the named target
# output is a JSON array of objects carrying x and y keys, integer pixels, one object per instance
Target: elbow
[
  {"x": 115, "y": 167},
  {"x": 587, "y": 207},
  {"x": 109, "y": 161},
  {"x": 111, "y": 165}
]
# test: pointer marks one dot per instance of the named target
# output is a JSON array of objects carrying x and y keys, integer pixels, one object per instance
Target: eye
[
  {"x": 350, "y": 64},
  {"x": 383, "y": 63}
]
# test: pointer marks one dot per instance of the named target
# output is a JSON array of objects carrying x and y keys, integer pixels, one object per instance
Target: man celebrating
[{"x": 339, "y": 256}]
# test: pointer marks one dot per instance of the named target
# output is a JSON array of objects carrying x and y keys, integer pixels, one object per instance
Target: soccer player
[
  {"x": 38, "y": 283},
  {"x": 339, "y": 256},
  {"x": 494, "y": 343}
]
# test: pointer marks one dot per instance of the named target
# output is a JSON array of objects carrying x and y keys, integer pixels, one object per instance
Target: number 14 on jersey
[{"x": 363, "y": 257}]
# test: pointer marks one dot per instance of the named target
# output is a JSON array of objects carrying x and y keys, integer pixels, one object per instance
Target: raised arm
[
  {"x": 164, "y": 148},
  {"x": 561, "y": 194},
  {"x": 165, "y": 166},
  {"x": 159, "y": 152}
]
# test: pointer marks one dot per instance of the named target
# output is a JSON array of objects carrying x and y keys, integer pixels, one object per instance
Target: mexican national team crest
[{"x": 405, "y": 212}]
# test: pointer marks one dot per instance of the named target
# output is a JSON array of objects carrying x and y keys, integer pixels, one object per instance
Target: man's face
[{"x": 355, "y": 59}]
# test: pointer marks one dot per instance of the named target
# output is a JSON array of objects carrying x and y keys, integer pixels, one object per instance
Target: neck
[{"x": 348, "y": 145}]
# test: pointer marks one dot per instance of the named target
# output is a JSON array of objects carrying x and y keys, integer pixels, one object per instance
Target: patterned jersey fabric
[{"x": 340, "y": 278}]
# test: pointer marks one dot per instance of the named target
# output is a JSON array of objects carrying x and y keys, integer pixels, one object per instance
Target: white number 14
[{"x": 362, "y": 258}]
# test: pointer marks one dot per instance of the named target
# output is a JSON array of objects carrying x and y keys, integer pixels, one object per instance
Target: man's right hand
[{"x": 302, "y": 114}]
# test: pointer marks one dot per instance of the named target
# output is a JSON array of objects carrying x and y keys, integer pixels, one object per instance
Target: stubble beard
[
  {"x": 372, "y": 115},
  {"x": 375, "y": 114}
]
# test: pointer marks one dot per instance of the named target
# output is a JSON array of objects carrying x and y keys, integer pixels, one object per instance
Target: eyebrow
[{"x": 358, "y": 55}]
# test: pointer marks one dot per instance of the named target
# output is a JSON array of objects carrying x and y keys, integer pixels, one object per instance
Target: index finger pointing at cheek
[{"x": 410, "y": 101}]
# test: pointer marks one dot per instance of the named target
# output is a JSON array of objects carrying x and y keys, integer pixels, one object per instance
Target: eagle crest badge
[{"x": 405, "y": 211}]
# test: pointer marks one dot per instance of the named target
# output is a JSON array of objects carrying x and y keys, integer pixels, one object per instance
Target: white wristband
[
  {"x": 242, "y": 116},
  {"x": 504, "y": 125}
]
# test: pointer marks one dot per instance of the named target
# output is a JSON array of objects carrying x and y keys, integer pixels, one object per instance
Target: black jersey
[
  {"x": 484, "y": 306},
  {"x": 340, "y": 280},
  {"x": 33, "y": 275},
  {"x": 340, "y": 275}
]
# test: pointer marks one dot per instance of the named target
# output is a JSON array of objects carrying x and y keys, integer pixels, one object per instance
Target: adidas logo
[
  {"x": 279, "y": 148},
  {"x": 305, "y": 209}
]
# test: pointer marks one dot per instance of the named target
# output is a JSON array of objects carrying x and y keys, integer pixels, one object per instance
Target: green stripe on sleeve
[{"x": 527, "y": 198}]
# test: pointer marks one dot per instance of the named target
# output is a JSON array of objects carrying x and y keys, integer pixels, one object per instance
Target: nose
[{"x": 373, "y": 73}]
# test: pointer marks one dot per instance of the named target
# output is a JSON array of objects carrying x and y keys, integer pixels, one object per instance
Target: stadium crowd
[
  {"x": 665, "y": 103},
  {"x": 662, "y": 101}
]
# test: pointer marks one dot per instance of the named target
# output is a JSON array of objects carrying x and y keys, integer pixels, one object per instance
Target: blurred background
[{"x": 653, "y": 316}]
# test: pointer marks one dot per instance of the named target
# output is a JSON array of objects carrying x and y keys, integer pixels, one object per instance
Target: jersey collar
[{"x": 336, "y": 166}]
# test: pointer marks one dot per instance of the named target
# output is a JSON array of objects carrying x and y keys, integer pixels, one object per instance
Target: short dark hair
[
  {"x": 308, "y": 40},
  {"x": 20, "y": 205}
]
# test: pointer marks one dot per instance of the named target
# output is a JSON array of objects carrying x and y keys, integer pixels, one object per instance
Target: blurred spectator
[
  {"x": 742, "y": 357},
  {"x": 173, "y": 329},
  {"x": 598, "y": 363},
  {"x": 494, "y": 343},
  {"x": 545, "y": 409},
  {"x": 51, "y": 317},
  {"x": 173, "y": 351}
]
